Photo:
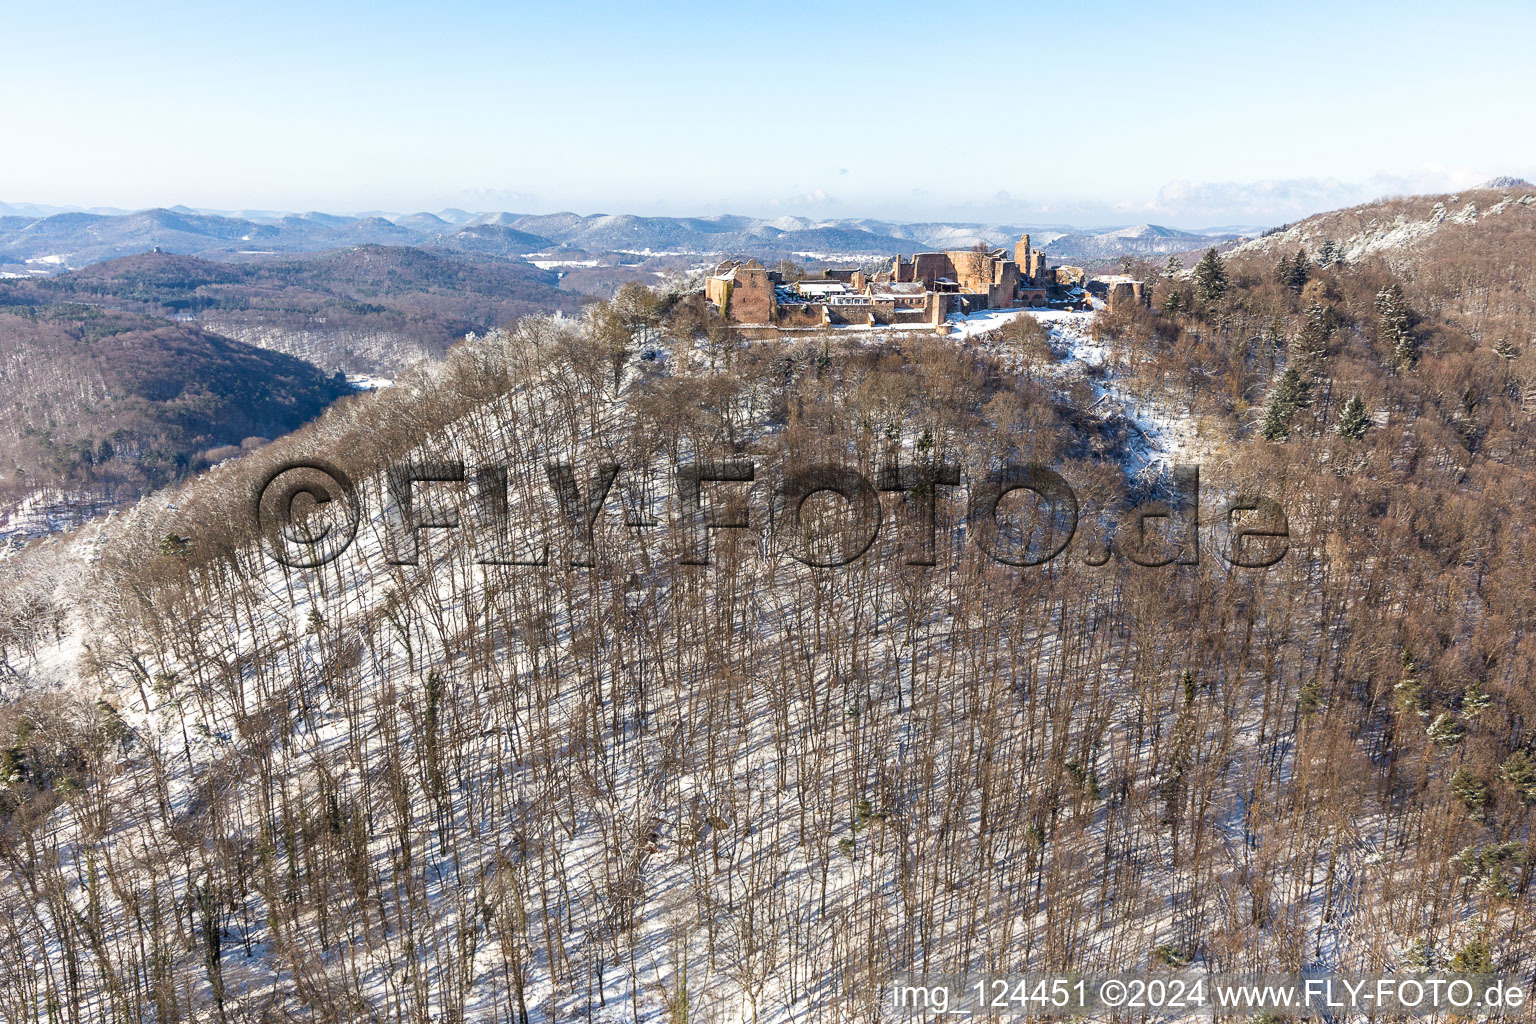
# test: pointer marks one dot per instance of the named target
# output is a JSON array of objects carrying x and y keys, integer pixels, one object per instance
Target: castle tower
[{"x": 1021, "y": 255}]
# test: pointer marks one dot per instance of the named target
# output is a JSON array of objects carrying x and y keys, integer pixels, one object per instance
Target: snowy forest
[{"x": 598, "y": 778}]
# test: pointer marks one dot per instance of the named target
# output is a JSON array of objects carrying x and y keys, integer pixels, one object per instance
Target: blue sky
[{"x": 1196, "y": 114}]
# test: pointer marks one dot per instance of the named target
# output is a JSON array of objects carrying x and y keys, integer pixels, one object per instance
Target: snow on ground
[
  {"x": 836, "y": 257},
  {"x": 552, "y": 264},
  {"x": 45, "y": 512},
  {"x": 367, "y": 382},
  {"x": 973, "y": 325},
  {"x": 1161, "y": 436},
  {"x": 1379, "y": 237},
  {"x": 277, "y": 627}
]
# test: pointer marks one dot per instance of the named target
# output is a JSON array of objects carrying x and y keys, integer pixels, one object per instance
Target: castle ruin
[{"x": 923, "y": 290}]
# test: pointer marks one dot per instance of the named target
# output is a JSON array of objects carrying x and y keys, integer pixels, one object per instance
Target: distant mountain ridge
[
  {"x": 1139, "y": 240},
  {"x": 32, "y": 241},
  {"x": 1506, "y": 181}
]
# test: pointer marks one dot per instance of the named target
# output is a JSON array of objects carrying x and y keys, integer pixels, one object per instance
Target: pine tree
[
  {"x": 1320, "y": 323},
  {"x": 1502, "y": 348},
  {"x": 1328, "y": 254},
  {"x": 1445, "y": 730},
  {"x": 1420, "y": 956},
  {"x": 1173, "y": 267},
  {"x": 1294, "y": 389},
  {"x": 1520, "y": 772},
  {"x": 1283, "y": 271},
  {"x": 1474, "y": 700},
  {"x": 1174, "y": 303},
  {"x": 1409, "y": 692},
  {"x": 1394, "y": 325},
  {"x": 1277, "y": 422},
  {"x": 1471, "y": 790},
  {"x": 1474, "y": 958},
  {"x": 1210, "y": 278},
  {"x": 1300, "y": 270},
  {"x": 1291, "y": 393},
  {"x": 1354, "y": 421}
]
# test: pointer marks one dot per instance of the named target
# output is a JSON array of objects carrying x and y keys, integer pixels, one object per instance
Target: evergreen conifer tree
[
  {"x": 1394, "y": 325},
  {"x": 1354, "y": 420},
  {"x": 1277, "y": 422},
  {"x": 1294, "y": 389},
  {"x": 1210, "y": 278},
  {"x": 1520, "y": 772},
  {"x": 1291, "y": 393},
  {"x": 1318, "y": 328},
  {"x": 1300, "y": 270}
]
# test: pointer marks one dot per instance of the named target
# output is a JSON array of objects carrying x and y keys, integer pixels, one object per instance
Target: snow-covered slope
[
  {"x": 646, "y": 789},
  {"x": 1394, "y": 229}
]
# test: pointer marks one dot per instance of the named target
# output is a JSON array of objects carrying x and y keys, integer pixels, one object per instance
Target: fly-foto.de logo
[{"x": 824, "y": 515}]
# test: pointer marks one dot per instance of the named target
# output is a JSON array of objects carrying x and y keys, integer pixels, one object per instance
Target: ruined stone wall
[
  {"x": 802, "y": 314},
  {"x": 751, "y": 300},
  {"x": 859, "y": 316},
  {"x": 718, "y": 291},
  {"x": 928, "y": 267},
  {"x": 757, "y": 333},
  {"x": 936, "y": 307},
  {"x": 1037, "y": 271},
  {"x": 969, "y": 302},
  {"x": 1126, "y": 294},
  {"x": 1067, "y": 277},
  {"x": 1005, "y": 284},
  {"x": 974, "y": 270}
]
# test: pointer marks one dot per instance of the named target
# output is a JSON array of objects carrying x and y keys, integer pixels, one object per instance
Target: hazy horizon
[
  {"x": 1038, "y": 221},
  {"x": 251, "y": 213}
]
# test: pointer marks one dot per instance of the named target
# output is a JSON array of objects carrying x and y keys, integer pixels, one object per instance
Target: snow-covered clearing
[
  {"x": 46, "y": 512},
  {"x": 1162, "y": 436},
  {"x": 368, "y": 382},
  {"x": 543, "y": 264}
]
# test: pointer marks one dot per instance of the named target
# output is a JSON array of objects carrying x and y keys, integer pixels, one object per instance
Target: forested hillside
[
  {"x": 368, "y": 309},
  {"x": 467, "y": 789},
  {"x": 98, "y": 407}
]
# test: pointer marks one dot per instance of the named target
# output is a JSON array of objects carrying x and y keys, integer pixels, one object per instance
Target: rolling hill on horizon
[{"x": 68, "y": 240}]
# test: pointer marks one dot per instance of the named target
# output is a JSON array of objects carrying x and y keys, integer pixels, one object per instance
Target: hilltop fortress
[{"x": 920, "y": 292}]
